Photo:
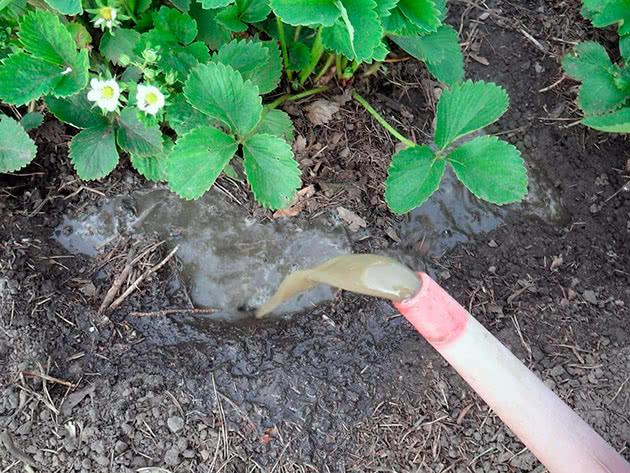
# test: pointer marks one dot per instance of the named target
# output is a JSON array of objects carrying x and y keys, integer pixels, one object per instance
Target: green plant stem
[
  {"x": 329, "y": 61},
  {"x": 373, "y": 69},
  {"x": 283, "y": 47},
  {"x": 292, "y": 97},
  {"x": 338, "y": 66},
  {"x": 379, "y": 118},
  {"x": 316, "y": 54},
  {"x": 296, "y": 35}
]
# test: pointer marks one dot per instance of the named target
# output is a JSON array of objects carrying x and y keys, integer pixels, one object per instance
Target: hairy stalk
[
  {"x": 283, "y": 47},
  {"x": 379, "y": 118},
  {"x": 329, "y": 62},
  {"x": 316, "y": 54},
  {"x": 338, "y": 68},
  {"x": 373, "y": 69},
  {"x": 292, "y": 97}
]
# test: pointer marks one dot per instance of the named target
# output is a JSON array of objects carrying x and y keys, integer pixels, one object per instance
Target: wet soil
[{"x": 347, "y": 386}]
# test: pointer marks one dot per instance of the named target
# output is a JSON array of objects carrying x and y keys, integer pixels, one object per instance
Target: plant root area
[{"x": 95, "y": 382}]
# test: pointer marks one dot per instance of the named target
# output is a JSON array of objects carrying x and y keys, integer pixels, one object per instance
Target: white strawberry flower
[
  {"x": 149, "y": 99},
  {"x": 106, "y": 18},
  {"x": 105, "y": 93}
]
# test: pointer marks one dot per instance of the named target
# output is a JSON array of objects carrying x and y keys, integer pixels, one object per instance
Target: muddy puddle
[
  {"x": 233, "y": 263},
  {"x": 229, "y": 261},
  {"x": 453, "y": 215}
]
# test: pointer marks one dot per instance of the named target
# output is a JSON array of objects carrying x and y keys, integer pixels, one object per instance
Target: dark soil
[{"x": 348, "y": 386}]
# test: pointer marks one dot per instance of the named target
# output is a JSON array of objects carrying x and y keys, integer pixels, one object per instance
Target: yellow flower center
[
  {"x": 151, "y": 98},
  {"x": 106, "y": 13},
  {"x": 108, "y": 92}
]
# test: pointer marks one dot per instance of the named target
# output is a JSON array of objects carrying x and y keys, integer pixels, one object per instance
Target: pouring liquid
[{"x": 367, "y": 274}]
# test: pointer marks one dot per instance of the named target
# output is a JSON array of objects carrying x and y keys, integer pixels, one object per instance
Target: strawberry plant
[
  {"x": 605, "y": 91},
  {"x": 181, "y": 90},
  {"x": 490, "y": 168}
]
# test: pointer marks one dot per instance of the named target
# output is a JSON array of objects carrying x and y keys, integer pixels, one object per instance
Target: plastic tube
[{"x": 554, "y": 433}]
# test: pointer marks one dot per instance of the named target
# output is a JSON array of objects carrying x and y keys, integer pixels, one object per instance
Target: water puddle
[
  {"x": 229, "y": 261},
  {"x": 234, "y": 263},
  {"x": 453, "y": 215}
]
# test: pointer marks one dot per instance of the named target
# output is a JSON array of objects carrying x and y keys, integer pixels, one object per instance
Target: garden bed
[{"x": 348, "y": 385}]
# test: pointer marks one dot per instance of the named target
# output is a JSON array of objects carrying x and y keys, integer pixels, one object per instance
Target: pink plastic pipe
[{"x": 559, "y": 438}]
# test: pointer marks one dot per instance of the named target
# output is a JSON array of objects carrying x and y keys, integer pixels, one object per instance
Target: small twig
[
  {"x": 555, "y": 84},
  {"x": 118, "y": 282},
  {"x": 52, "y": 379},
  {"x": 534, "y": 41},
  {"x": 141, "y": 278},
  {"x": 7, "y": 441},
  {"x": 163, "y": 312}
]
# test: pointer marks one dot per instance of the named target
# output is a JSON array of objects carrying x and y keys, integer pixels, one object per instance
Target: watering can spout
[{"x": 553, "y": 432}]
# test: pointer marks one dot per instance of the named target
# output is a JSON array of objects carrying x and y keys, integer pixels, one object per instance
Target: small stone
[
  {"x": 120, "y": 447},
  {"x": 557, "y": 370},
  {"x": 175, "y": 423},
  {"x": 102, "y": 460},
  {"x": 188, "y": 454},
  {"x": 171, "y": 457},
  {"x": 492, "y": 244},
  {"x": 589, "y": 296}
]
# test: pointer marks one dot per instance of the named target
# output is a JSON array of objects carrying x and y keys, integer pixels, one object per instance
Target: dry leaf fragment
[
  {"x": 353, "y": 220},
  {"x": 556, "y": 263},
  {"x": 298, "y": 204},
  {"x": 321, "y": 111},
  {"x": 480, "y": 59}
]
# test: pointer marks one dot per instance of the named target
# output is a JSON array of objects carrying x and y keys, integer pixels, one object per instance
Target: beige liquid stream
[{"x": 367, "y": 274}]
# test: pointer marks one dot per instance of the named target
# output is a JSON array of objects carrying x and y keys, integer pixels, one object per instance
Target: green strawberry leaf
[
  {"x": 182, "y": 5},
  {"x": 45, "y": 37},
  {"x": 615, "y": 122},
  {"x": 221, "y": 93},
  {"x": 306, "y": 12},
  {"x": 211, "y": 32},
  {"x": 181, "y": 26},
  {"x": 197, "y": 160},
  {"x": 32, "y": 120},
  {"x": 181, "y": 60},
  {"x": 236, "y": 17},
  {"x": 80, "y": 34},
  {"x": 75, "y": 77},
  {"x": 357, "y": 33},
  {"x": 24, "y": 78},
  {"x": 17, "y": 149},
  {"x": 93, "y": 152},
  {"x": 229, "y": 19},
  {"x": 269, "y": 75},
  {"x": 75, "y": 110},
  {"x": 182, "y": 117},
  {"x": 208, "y": 4},
  {"x": 271, "y": 170},
  {"x": 299, "y": 56},
  {"x": 608, "y": 12},
  {"x": 244, "y": 56},
  {"x": 257, "y": 61},
  {"x": 136, "y": 137},
  {"x": 112, "y": 46},
  {"x": 590, "y": 64},
  {"x": 384, "y": 7},
  {"x": 153, "y": 167},
  {"x": 278, "y": 123},
  {"x": 423, "y": 14},
  {"x": 624, "y": 47},
  {"x": 66, "y": 7},
  {"x": 491, "y": 169},
  {"x": 413, "y": 175},
  {"x": 468, "y": 107},
  {"x": 439, "y": 50}
]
